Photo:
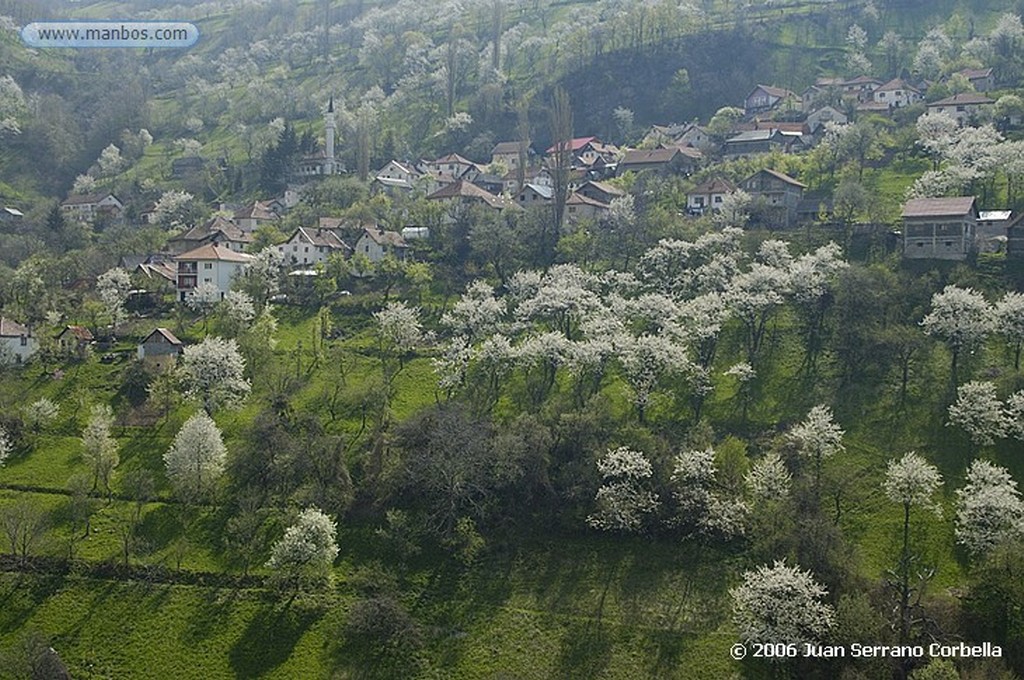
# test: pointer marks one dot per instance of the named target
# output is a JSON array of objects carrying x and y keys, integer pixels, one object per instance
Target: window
[
  {"x": 207, "y": 265},
  {"x": 24, "y": 341},
  {"x": 949, "y": 244},
  {"x": 207, "y": 280},
  {"x": 718, "y": 199}
]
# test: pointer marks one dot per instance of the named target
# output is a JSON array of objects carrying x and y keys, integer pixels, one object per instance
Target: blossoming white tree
[
  {"x": 768, "y": 479},
  {"x": 100, "y": 449},
  {"x": 113, "y": 286},
  {"x": 196, "y": 458},
  {"x": 781, "y": 604},
  {"x": 818, "y": 437},
  {"x": 5, "y": 446},
  {"x": 989, "y": 509},
  {"x": 912, "y": 482},
  {"x": 978, "y": 411},
  {"x": 213, "y": 372},
  {"x": 962, "y": 318},
  {"x": 1008, "y": 319},
  {"x": 703, "y": 505},
  {"x": 308, "y": 548},
  {"x": 623, "y": 501}
]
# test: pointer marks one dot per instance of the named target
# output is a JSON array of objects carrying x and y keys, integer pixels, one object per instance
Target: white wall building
[{"x": 208, "y": 264}]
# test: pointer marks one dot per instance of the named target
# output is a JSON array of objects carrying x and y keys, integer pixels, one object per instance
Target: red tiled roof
[
  {"x": 575, "y": 144},
  {"x": 211, "y": 251}
]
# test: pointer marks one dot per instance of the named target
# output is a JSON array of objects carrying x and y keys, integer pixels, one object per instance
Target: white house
[
  {"x": 961, "y": 106},
  {"x": 16, "y": 342},
  {"x": 310, "y": 246},
  {"x": 208, "y": 263},
  {"x": 897, "y": 93},
  {"x": 708, "y": 196},
  {"x": 86, "y": 207},
  {"x": 397, "y": 170},
  {"x": 376, "y": 244},
  {"x": 535, "y": 194},
  {"x": 254, "y": 215}
]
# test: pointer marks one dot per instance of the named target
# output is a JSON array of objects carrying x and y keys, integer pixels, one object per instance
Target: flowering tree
[
  {"x": 1008, "y": 319},
  {"x": 113, "y": 286},
  {"x": 238, "y": 311},
  {"x": 308, "y": 548},
  {"x": 645, "y": 360},
  {"x": 173, "y": 209},
  {"x": 196, "y": 458},
  {"x": 623, "y": 501},
  {"x": 818, "y": 437},
  {"x": 768, "y": 479},
  {"x": 754, "y": 297},
  {"x": 989, "y": 508},
  {"x": 398, "y": 333},
  {"x": 41, "y": 413},
  {"x": 100, "y": 449},
  {"x": 261, "y": 278},
  {"x": 912, "y": 482},
  {"x": 214, "y": 373},
  {"x": 781, "y": 604},
  {"x": 712, "y": 512},
  {"x": 962, "y": 318},
  {"x": 6, "y": 446},
  {"x": 202, "y": 299},
  {"x": 978, "y": 411},
  {"x": 1014, "y": 415},
  {"x": 476, "y": 314}
]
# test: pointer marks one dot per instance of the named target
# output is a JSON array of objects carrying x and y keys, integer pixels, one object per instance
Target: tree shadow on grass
[
  {"x": 217, "y": 611},
  {"x": 23, "y": 594},
  {"x": 269, "y": 639},
  {"x": 586, "y": 650}
]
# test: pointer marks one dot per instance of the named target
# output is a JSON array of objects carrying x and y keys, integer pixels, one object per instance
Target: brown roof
[
  {"x": 715, "y": 185},
  {"x": 166, "y": 334},
  {"x": 975, "y": 73},
  {"x": 957, "y": 206},
  {"x": 580, "y": 199},
  {"x": 779, "y": 92},
  {"x": 649, "y": 156},
  {"x": 161, "y": 269},
  {"x": 605, "y": 187},
  {"x": 11, "y": 329},
  {"x": 212, "y": 251},
  {"x": 463, "y": 189},
  {"x": 82, "y": 333},
  {"x": 87, "y": 199},
  {"x": 784, "y": 177},
  {"x": 319, "y": 237},
  {"x": 386, "y": 238},
  {"x": 257, "y": 210},
  {"x": 896, "y": 84},
  {"x": 964, "y": 98},
  {"x": 503, "y": 148},
  {"x": 213, "y": 226}
]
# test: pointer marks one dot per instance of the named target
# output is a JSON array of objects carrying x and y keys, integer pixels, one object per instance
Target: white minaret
[{"x": 329, "y": 138}]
